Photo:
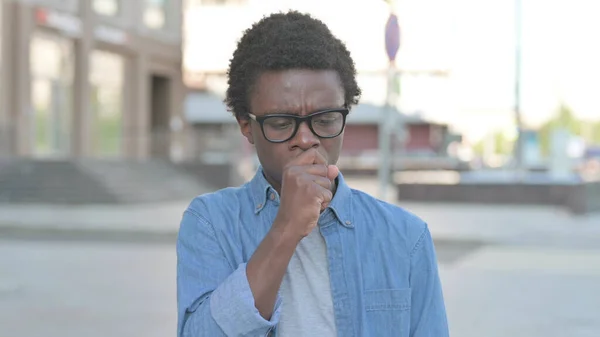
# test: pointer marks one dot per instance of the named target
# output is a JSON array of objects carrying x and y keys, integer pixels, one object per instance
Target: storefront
[
  {"x": 4, "y": 129},
  {"x": 97, "y": 78}
]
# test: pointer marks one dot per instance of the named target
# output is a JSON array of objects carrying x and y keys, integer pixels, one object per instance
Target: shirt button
[
  {"x": 272, "y": 196},
  {"x": 348, "y": 222},
  {"x": 259, "y": 206}
]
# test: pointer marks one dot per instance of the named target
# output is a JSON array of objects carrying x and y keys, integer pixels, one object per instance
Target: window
[
  {"x": 107, "y": 7},
  {"x": 156, "y": 13},
  {"x": 106, "y": 80},
  {"x": 51, "y": 66}
]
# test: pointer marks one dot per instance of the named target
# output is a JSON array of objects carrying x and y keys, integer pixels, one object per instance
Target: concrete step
[{"x": 98, "y": 182}]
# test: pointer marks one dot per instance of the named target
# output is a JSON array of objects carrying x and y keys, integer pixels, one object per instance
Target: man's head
[{"x": 291, "y": 64}]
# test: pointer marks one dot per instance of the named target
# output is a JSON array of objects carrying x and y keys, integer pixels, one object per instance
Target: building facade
[{"x": 90, "y": 78}]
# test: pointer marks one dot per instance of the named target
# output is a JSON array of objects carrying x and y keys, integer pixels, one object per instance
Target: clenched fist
[{"x": 306, "y": 190}]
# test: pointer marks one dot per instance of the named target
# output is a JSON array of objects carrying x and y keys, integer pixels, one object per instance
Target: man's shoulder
[
  {"x": 211, "y": 204},
  {"x": 401, "y": 219},
  {"x": 386, "y": 208}
]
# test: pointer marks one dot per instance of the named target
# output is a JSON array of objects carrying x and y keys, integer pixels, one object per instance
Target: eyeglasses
[{"x": 279, "y": 128}]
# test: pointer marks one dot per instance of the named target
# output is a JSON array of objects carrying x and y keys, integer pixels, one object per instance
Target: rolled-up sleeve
[
  {"x": 428, "y": 311},
  {"x": 213, "y": 296}
]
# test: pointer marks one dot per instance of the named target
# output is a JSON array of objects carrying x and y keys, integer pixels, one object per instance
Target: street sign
[
  {"x": 392, "y": 37},
  {"x": 68, "y": 24}
]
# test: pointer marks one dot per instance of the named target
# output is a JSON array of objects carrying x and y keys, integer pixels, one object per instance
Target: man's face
[{"x": 297, "y": 92}]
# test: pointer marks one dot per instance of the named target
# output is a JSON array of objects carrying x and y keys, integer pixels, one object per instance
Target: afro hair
[{"x": 285, "y": 41}]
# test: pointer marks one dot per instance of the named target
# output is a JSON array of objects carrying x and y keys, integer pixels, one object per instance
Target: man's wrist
[{"x": 282, "y": 237}]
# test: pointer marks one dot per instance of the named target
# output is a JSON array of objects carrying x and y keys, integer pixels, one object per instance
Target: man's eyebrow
[
  {"x": 296, "y": 113},
  {"x": 281, "y": 112}
]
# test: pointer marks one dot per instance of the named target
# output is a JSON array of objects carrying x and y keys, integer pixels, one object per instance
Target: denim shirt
[{"x": 382, "y": 265}]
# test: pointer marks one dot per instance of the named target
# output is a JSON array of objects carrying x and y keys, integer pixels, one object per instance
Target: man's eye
[
  {"x": 326, "y": 121},
  {"x": 280, "y": 123}
]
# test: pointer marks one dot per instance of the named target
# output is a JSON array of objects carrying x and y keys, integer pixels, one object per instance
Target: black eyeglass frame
[{"x": 299, "y": 120}]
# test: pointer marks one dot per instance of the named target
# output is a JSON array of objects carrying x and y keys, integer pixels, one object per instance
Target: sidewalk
[
  {"x": 457, "y": 222},
  {"x": 505, "y": 224},
  {"x": 153, "y": 218}
]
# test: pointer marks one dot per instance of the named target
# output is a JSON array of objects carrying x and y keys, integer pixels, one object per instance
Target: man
[{"x": 295, "y": 251}]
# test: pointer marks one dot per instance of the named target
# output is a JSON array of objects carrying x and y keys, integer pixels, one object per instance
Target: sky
[
  {"x": 473, "y": 39},
  {"x": 559, "y": 59}
]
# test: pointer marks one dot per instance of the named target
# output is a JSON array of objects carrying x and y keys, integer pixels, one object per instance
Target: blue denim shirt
[{"x": 382, "y": 265}]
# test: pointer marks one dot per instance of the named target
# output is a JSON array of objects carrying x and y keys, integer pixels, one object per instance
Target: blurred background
[{"x": 482, "y": 117}]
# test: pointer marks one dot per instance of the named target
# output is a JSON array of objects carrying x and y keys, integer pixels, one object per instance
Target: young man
[{"x": 295, "y": 251}]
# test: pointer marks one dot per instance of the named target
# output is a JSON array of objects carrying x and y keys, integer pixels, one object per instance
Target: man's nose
[{"x": 305, "y": 138}]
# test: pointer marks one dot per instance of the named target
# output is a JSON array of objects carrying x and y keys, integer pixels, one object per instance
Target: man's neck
[{"x": 274, "y": 183}]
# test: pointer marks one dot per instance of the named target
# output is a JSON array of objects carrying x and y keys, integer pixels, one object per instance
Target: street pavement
[
  {"x": 110, "y": 271},
  {"x": 55, "y": 288},
  {"x": 92, "y": 289}
]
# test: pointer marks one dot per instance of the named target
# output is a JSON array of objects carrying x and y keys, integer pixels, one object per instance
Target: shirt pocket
[{"x": 388, "y": 312}]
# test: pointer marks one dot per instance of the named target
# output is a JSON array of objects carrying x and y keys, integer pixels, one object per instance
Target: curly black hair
[{"x": 285, "y": 41}]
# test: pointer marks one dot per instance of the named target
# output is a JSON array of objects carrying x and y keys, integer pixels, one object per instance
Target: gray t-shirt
[{"x": 307, "y": 305}]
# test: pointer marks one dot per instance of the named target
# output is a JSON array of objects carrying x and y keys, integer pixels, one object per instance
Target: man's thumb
[{"x": 332, "y": 172}]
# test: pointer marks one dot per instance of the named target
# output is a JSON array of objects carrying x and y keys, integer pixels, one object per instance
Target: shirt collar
[
  {"x": 341, "y": 205},
  {"x": 259, "y": 189}
]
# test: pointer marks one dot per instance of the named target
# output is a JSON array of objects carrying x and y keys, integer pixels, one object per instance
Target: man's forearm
[
  {"x": 229, "y": 310},
  {"x": 267, "y": 266}
]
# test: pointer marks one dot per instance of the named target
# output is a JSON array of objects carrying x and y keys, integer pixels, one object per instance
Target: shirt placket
[{"x": 339, "y": 286}]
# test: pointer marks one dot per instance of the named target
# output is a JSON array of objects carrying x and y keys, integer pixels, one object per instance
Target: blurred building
[
  {"x": 214, "y": 137},
  {"x": 90, "y": 78}
]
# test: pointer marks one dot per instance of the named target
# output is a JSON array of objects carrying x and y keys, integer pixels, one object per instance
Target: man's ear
[{"x": 245, "y": 128}]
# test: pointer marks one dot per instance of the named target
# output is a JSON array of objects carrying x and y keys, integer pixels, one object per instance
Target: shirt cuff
[{"x": 232, "y": 307}]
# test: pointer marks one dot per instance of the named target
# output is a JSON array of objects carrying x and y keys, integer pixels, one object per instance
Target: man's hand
[{"x": 306, "y": 190}]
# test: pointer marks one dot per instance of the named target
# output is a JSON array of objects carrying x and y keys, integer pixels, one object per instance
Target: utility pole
[
  {"x": 392, "y": 45},
  {"x": 518, "y": 148},
  {"x": 388, "y": 118}
]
